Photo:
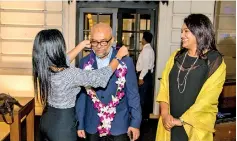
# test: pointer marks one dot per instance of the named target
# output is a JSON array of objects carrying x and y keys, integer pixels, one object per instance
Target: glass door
[
  {"x": 131, "y": 25},
  {"x": 91, "y": 16}
]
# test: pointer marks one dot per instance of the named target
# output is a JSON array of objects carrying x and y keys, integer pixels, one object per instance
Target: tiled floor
[{"x": 148, "y": 130}]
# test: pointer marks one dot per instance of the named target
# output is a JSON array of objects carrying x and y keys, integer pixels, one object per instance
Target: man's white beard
[{"x": 103, "y": 55}]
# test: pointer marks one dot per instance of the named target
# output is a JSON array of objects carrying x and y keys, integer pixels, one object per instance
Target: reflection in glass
[
  {"x": 90, "y": 20},
  {"x": 105, "y": 18},
  {"x": 137, "y": 54},
  {"x": 145, "y": 22},
  {"x": 86, "y": 35},
  {"x": 148, "y": 24},
  {"x": 129, "y": 24},
  {"x": 140, "y": 41},
  {"x": 128, "y": 40}
]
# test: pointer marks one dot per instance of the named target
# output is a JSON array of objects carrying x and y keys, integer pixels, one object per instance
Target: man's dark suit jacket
[{"x": 128, "y": 111}]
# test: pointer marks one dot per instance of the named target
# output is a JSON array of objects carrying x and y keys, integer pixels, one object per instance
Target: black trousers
[
  {"x": 96, "y": 137},
  {"x": 58, "y": 125},
  {"x": 145, "y": 91}
]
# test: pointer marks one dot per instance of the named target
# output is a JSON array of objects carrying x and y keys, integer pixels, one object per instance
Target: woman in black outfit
[{"x": 196, "y": 61}]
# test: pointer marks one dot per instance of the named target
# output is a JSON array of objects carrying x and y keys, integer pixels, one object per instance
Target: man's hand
[
  {"x": 168, "y": 121},
  {"x": 135, "y": 133},
  {"x": 140, "y": 82},
  {"x": 81, "y": 134}
]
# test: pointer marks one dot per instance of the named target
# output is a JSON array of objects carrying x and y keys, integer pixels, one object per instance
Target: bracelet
[{"x": 182, "y": 121}]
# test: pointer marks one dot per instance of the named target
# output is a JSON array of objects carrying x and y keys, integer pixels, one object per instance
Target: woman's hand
[
  {"x": 168, "y": 121},
  {"x": 177, "y": 122},
  {"x": 74, "y": 52},
  {"x": 123, "y": 51},
  {"x": 85, "y": 44}
]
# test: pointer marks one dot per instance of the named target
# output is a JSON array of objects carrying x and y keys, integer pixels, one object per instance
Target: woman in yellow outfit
[{"x": 191, "y": 84}]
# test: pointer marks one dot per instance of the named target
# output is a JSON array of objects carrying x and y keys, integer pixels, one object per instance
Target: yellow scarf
[{"x": 201, "y": 116}]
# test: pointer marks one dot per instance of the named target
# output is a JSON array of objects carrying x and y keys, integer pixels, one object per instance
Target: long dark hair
[
  {"x": 49, "y": 49},
  {"x": 202, "y": 28}
]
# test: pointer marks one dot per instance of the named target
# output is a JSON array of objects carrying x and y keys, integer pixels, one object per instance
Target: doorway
[{"x": 127, "y": 19}]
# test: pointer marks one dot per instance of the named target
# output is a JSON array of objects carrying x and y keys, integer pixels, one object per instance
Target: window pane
[
  {"x": 140, "y": 42},
  {"x": 132, "y": 54},
  {"x": 145, "y": 22},
  {"x": 87, "y": 35},
  {"x": 128, "y": 40},
  {"x": 129, "y": 24},
  {"x": 105, "y": 18},
  {"x": 129, "y": 21},
  {"x": 90, "y": 20},
  {"x": 142, "y": 24},
  {"x": 148, "y": 24}
]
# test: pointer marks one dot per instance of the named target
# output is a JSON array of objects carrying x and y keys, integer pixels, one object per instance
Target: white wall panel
[
  {"x": 17, "y": 85},
  {"x": 178, "y": 21},
  {"x": 17, "y": 59},
  {"x": 173, "y": 48},
  {"x": 20, "y": 18},
  {"x": 27, "y": 5},
  {"x": 181, "y": 7},
  {"x": 54, "y": 6},
  {"x": 20, "y": 22},
  {"x": 54, "y": 19},
  {"x": 205, "y": 7},
  {"x": 19, "y": 32},
  {"x": 176, "y": 36},
  {"x": 17, "y": 47}
]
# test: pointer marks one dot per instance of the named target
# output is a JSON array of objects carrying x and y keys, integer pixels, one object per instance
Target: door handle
[{"x": 159, "y": 78}]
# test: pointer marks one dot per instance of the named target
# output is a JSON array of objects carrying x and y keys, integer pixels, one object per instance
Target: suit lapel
[
  {"x": 114, "y": 53},
  {"x": 94, "y": 65}
]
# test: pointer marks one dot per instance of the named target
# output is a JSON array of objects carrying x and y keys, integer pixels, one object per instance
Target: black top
[{"x": 181, "y": 102}]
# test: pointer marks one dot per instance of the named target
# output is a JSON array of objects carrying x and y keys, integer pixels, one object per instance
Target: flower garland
[{"x": 107, "y": 112}]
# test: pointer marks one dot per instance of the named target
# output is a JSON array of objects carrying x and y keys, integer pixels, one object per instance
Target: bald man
[{"x": 128, "y": 117}]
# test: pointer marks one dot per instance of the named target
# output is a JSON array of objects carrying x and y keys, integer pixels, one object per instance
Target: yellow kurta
[{"x": 201, "y": 116}]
